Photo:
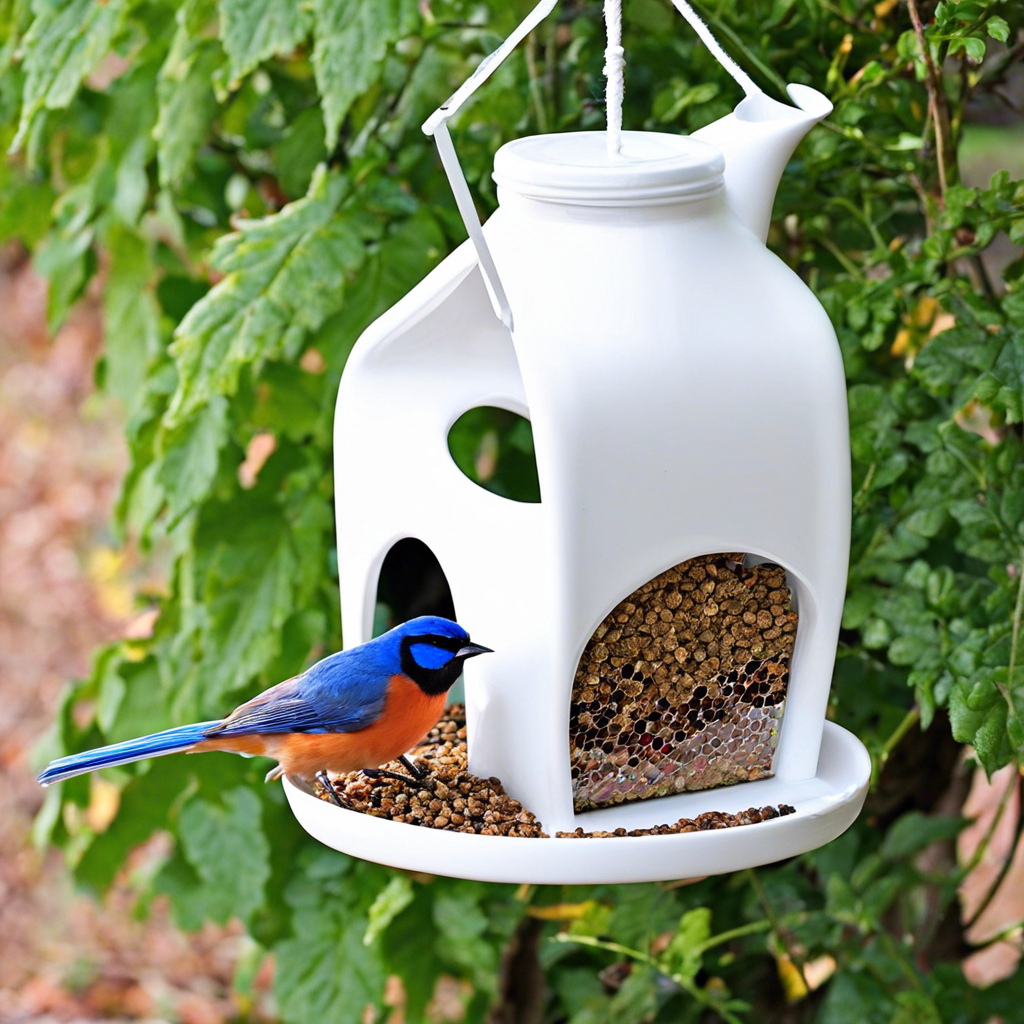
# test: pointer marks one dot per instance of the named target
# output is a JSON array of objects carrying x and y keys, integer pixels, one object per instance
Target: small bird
[{"x": 357, "y": 709}]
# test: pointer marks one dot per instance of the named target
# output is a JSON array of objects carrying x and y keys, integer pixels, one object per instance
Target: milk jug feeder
[{"x": 665, "y": 618}]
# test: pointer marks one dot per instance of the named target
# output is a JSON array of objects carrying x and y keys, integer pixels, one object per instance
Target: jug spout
[{"x": 757, "y": 140}]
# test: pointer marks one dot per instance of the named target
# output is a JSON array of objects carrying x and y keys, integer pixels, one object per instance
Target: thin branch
[
  {"x": 910, "y": 719},
  {"x": 841, "y": 258},
  {"x": 1015, "y": 638},
  {"x": 536, "y": 85},
  {"x": 863, "y": 489},
  {"x": 986, "y": 839},
  {"x": 769, "y": 912},
  {"x": 937, "y": 102},
  {"x": 1008, "y": 934},
  {"x": 1004, "y": 870}
]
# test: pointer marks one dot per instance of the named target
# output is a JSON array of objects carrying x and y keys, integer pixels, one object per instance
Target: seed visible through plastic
[{"x": 683, "y": 685}]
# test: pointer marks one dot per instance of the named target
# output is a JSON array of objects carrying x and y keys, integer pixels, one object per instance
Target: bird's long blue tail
[{"x": 166, "y": 742}]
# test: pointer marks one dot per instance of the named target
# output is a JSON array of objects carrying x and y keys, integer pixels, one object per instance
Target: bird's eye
[{"x": 428, "y": 654}]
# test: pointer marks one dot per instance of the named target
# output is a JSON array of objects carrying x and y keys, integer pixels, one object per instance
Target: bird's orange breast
[{"x": 408, "y": 715}]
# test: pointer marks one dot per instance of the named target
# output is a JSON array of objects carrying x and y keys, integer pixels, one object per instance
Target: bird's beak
[{"x": 472, "y": 650}]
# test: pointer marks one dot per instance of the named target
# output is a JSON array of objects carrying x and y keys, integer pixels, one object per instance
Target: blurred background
[{"x": 144, "y": 139}]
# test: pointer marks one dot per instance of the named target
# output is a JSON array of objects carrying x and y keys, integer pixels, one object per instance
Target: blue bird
[{"x": 357, "y": 709}]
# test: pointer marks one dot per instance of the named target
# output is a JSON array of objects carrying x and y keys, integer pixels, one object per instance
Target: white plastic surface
[
  {"x": 826, "y": 805},
  {"x": 751, "y": 185},
  {"x": 757, "y": 140},
  {"x": 687, "y": 396},
  {"x": 576, "y": 168}
]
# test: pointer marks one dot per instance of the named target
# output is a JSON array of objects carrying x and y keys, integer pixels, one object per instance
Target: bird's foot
[
  {"x": 324, "y": 780},
  {"x": 274, "y": 774},
  {"x": 382, "y": 773},
  {"x": 410, "y": 765}
]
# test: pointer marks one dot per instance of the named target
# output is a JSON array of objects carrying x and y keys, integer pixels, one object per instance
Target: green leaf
[
  {"x": 856, "y": 997},
  {"x": 300, "y": 151},
  {"x": 132, "y": 317},
  {"x": 229, "y": 852},
  {"x": 390, "y": 902},
  {"x": 260, "y": 564},
  {"x": 324, "y": 971},
  {"x": 191, "y": 453},
  {"x": 872, "y": 422},
  {"x": 637, "y": 1001},
  {"x": 909, "y": 649},
  {"x": 67, "y": 261},
  {"x": 978, "y": 714},
  {"x": 66, "y": 41},
  {"x": 916, "y": 1008},
  {"x": 253, "y": 30},
  {"x": 975, "y": 48},
  {"x": 132, "y": 699},
  {"x": 685, "y": 951},
  {"x": 352, "y": 39},
  {"x": 145, "y": 808},
  {"x": 283, "y": 276},
  {"x": 404, "y": 953},
  {"x": 186, "y": 100},
  {"x": 1002, "y": 386},
  {"x": 25, "y": 207},
  {"x": 914, "y": 831},
  {"x": 462, "y": 925},
  {"x": 997, "y": 28},
  {"x": 640, "y": 912}
]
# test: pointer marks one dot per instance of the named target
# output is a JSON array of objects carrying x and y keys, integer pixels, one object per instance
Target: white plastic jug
[{"x": 687, "y": 397}]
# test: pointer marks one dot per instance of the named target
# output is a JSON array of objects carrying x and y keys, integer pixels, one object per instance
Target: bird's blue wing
[{"x": 338, "y": 694}]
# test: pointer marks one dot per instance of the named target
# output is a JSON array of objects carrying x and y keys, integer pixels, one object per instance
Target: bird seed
[
  {"x": 707, "y": 822},
  {"x": 449, "y": 797},
  {"x": 683, "y": 685}
]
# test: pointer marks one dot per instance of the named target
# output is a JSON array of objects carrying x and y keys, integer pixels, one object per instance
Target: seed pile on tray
[
  {"x": 452, "y": 799},
  {"x": 683, "y": 685},
  {"x": 449, "y": 797},
  {"x": 707, "y": 822}
]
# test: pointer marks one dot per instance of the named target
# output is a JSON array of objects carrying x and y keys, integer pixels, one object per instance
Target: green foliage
[
  {"x": 352, "y": 40},
  {"x": 248, "y": 184}
]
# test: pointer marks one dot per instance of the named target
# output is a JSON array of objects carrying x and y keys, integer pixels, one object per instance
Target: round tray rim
[{"x": 619, "y": 859}]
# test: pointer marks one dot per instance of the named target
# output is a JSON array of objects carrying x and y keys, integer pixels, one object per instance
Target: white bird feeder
[{"x": 665, "y": 619}]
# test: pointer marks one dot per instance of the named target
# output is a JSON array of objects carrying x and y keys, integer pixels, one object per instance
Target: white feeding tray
[{"x": 825, "y": 806}]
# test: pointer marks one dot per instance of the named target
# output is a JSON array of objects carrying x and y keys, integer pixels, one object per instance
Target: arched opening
[
  {"x": 411, "y": 583},
  {"x": 494, "y": 448},
  {"x": 683, "y": 685}
]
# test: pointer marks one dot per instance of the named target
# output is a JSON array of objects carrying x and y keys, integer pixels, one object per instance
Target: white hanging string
[
  {"x": 745, "y": 82},
  {"x": 436, "y": 124},
  {"x": 614, "y": 62}
]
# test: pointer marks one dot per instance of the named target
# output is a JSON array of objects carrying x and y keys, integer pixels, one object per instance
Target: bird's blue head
[{"x": 432, "y": 650}]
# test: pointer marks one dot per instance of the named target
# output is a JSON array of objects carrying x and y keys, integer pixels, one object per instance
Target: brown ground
[{"x": 64, "y": 589}]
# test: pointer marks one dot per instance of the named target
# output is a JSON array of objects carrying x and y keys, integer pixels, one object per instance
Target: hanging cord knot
[{"x": 614, "y": 63}]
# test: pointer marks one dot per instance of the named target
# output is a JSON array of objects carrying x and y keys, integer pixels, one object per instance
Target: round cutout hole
[{"x": 494, "y": 448}]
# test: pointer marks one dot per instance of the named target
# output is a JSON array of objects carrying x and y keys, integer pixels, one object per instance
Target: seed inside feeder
[
  {"x": 452, "y": 799},
  {"x": 683, "y": 685}
]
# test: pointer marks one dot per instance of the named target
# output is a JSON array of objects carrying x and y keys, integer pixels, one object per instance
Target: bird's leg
[
  {"x": 410, "y": 765},
  {"x": 322, "y": 778},
  {"x": 383, "y": 773},
  {"x": 275, "y": 773}
]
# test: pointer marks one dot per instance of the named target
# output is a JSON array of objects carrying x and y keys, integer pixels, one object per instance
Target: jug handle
[{"x": 437, "y": 127}]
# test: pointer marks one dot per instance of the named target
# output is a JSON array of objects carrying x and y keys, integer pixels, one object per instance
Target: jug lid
[{"x": 576, "y": 168}]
